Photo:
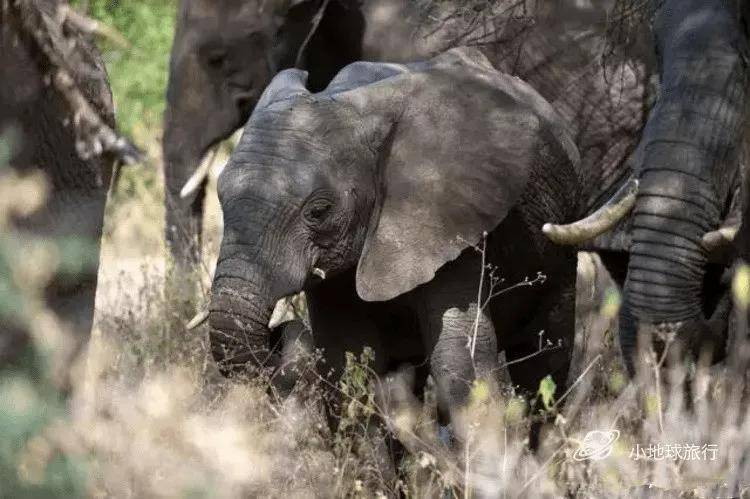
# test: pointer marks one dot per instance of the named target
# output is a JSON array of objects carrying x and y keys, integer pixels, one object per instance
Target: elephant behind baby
[
  {"x": 686, "y": 206},
  {"x": 226, "y": 51},
  {"x": 387, "y": 197}
]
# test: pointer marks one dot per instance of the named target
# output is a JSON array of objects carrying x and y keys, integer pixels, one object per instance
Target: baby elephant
[{"x": 375, "y": 196}]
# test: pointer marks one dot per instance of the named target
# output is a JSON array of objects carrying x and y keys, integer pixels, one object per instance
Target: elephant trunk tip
[{"x": 239, "y": 334}]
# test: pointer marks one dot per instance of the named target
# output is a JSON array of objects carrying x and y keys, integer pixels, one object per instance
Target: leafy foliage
[
  {"x": 32, "y": 462},
  {"x": 138, "y": 74}
]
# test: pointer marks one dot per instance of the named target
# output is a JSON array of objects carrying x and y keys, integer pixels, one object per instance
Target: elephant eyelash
[{"x": 317, "y": 210}]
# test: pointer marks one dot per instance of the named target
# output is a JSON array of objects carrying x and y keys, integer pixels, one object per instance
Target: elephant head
[
  {"x": 393, "y": 171},
  {"x": 224, "y": 54},
  {"x": 686, "y": 172}
]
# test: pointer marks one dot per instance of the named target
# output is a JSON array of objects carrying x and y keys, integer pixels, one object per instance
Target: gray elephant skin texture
[
  {"x": 224, "y": 54},
  {"x": 385, "y": 181},
  {"x": 689, "y": 171},
  {"x": 226, "y": 51}
]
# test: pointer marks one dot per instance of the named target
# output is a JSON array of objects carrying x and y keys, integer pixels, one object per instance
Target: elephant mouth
[
  {"x": 244, "y": 96},
  {"x": 284, "y": 311}
]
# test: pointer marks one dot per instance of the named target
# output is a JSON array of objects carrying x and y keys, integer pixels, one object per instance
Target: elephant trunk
[
  {"x": 238, "y": 318},
  {"x": 690, "y": 156},
  {"x": 667, "y": 262},
  {"x": 184, "y": 216}
]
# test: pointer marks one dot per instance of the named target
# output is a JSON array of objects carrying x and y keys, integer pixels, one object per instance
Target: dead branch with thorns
[{"x": 59, "y": 33}]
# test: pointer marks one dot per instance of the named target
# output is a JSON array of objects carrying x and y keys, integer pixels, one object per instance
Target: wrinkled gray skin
[
  {"x": 226, "y": 51},
  {"x": 35, "y": 115},
  {"x": 383, "y": 181},
  {"x": 688, "y": 171},
  {"x": 224, "y": 54}
]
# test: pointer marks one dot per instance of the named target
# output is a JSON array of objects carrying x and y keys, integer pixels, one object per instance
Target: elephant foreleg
[{"x": 458, "y": 333}]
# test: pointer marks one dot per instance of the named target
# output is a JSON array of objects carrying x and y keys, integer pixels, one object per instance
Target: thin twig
[
  {"x": 578, "y": 380},
  {"x": 473, "y": 340},
  {"x": 92, "y": 26},
  {"x": 315, "y": 23},
  {"x": 540, "y": 470}
]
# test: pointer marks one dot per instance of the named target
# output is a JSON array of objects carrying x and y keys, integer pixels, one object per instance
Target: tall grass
[{"x": 151, "y": 417}]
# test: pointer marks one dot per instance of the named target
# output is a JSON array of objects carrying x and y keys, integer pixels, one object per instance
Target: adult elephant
[
  {"x": 56, "y": 118},
  {"x": 224, "y": 54},
  {"x": 687, "y": 174},
  {"x": 371, "y": 195},
  {"x": 226, "y": 51}
]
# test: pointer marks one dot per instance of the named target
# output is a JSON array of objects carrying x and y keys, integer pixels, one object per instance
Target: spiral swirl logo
[{"x": 596, "y": 445}]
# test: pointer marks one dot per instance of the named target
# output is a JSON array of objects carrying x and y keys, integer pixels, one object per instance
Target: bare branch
[
  {"x": 91, "y": 26},
  {"x": 94, "y": 136},
  {"x": 315, "y": 23}
]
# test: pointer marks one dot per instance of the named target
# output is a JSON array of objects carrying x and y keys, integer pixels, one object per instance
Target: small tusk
[
  {"x": 199, "y": 319},
  {"x": 598, "y": 222},
  {"x": 234, "y": 139},
  {"x": 280, "y": 313},
  {"x": 201, "y": 173},
  {"x": 717, "y": 238},
  {"x": 319, "y": 272},
  {"x": 724, "y": 235}
]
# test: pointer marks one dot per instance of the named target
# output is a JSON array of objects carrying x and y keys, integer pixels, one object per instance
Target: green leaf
[{"x": 546, "y": 391}]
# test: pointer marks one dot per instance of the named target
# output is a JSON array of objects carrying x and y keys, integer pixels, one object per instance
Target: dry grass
[{"x": 151, "y": 417}]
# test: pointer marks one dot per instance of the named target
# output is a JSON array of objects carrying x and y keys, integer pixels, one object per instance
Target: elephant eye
[
  {"x": 215, "y": 59},
  {"x": 317, "y": 210}
]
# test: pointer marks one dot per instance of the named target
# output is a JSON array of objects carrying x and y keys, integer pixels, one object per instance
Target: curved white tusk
[
  {"x": 319, "y": 272},
  {"x": 598, "y": 222},
  {"x": 200, "y": 174},
  {"x": 724, "y": 235},
  {"x": 220, "y": 169},
  {"x": 717, "y": 238},
  {"x": 199, "y": 319},
  {"x": 280, "y": 313}
]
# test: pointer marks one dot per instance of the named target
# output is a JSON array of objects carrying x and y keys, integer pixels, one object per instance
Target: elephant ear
[
  {"x": 285, "y": 85},
  {"x": 458, "y": 142},
  {"x": 358, "y": 74}
]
